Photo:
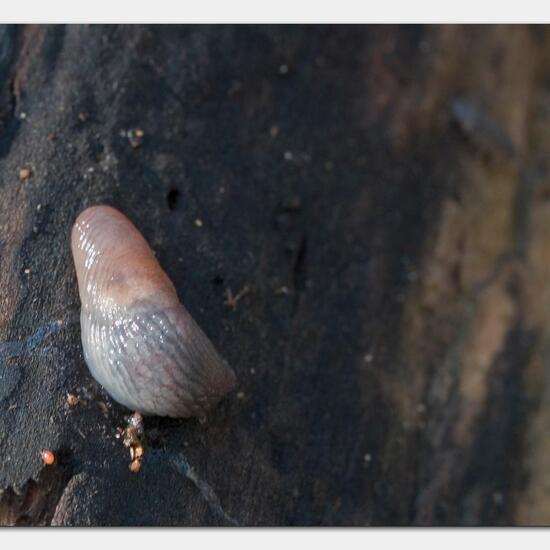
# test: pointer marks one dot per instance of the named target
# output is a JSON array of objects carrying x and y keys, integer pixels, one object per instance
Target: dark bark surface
[{"x": 381, "y": 193}]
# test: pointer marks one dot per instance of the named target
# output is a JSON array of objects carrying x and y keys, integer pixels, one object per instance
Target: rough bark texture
[{"x": 384, "y": 195}]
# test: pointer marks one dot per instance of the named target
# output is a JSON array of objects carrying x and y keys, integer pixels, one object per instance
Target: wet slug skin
[{"x": 139, "y": 341}]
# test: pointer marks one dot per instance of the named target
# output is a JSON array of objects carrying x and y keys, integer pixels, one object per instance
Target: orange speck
[
  {"x": 24, "y": 174},
  {"x": 135, "y": 466},
  {"x": 48, "y": 457}
]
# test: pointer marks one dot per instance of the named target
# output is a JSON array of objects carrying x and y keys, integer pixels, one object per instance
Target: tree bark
[{"x": 378, "y": 196}]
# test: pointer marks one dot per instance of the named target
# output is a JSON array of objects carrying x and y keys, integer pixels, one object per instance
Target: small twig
[{"x": 232, "y": 301}]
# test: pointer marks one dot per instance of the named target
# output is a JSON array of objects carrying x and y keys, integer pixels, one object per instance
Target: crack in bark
[{"x": 183, "y": 466}]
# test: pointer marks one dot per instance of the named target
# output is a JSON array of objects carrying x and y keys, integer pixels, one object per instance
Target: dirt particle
[
  {"x": 198, "y": 222},
  {"x": 132, "y": 439},
  {"x": 103, "y": 408},
  {"x": 135, "y": 466},
  {"x": 135, "y": 137},
  {"x": 282, "y": 290},
  {"x": 25, "y": 174},
  {"x": 72, "y": 400}
]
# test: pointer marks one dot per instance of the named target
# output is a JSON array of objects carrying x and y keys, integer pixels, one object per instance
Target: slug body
[{"x": 139, "y": 341}]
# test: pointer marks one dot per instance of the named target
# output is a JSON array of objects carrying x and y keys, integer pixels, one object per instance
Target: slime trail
[
  {"x": 17, "y": 348},
  {"x": 183, "y": 466}
]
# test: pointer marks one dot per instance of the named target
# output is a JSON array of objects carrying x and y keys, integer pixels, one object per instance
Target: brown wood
[{"x": 381, "y": 194}]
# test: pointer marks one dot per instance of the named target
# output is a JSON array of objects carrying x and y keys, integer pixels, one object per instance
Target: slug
[{"x": 139, "y": 341}]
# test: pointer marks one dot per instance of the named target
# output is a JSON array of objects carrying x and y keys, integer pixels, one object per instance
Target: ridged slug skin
[{"x": 140, "y": 343}]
